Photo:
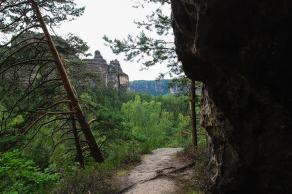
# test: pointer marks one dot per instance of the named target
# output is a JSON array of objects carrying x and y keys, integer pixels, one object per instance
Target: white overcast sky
[{"x": 113, "y": 18}]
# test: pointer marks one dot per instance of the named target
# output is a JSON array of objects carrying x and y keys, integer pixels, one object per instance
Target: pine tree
[{"x": 33, "y": 62}]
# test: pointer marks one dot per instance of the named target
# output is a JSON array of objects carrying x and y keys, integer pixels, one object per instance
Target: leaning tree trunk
[
  {"x": 79, "y": 154},
  {"x": 94, "y": 149},
  {"x": 193, "y": 115}
]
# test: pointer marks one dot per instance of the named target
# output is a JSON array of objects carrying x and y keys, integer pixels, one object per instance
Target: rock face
[
  {"x": 111, "y": 75},
  {"x": 241, "y": 49}
]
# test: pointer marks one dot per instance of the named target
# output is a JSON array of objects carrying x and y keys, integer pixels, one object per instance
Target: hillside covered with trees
[{"x": 152, "y": 87}]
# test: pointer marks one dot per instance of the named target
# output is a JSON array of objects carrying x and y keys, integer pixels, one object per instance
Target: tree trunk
[
  {"x": 194, "y": 116},
  {"x": 79, "y": 155},
  {"x": 94, "y": 149},
  {"x": 207, "y": 137}
]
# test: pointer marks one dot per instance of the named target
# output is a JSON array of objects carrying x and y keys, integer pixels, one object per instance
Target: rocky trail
[{"x": 157, "y": 173}]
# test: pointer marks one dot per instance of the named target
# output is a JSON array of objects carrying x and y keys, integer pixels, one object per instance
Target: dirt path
[{"x": 155, "y": 174}]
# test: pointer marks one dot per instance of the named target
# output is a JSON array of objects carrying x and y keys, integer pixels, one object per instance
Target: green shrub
[
  {"x": 148, "y": 120},
  {"x": 123, "y": 154},
  {"x": 19, "y": 175},
  {"x": 92, "y": 179}
]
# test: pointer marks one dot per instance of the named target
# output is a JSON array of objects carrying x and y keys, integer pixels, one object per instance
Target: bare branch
[
  {"x": 55, "y": 104},
  {"x": 19, "y": 34}
]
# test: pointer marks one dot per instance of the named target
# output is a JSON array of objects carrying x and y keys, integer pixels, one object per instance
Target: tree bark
[
  {"x": 79, "y": 155},
  {"x": 94, "y": 149},
  {"x": 193, "y": 115}
]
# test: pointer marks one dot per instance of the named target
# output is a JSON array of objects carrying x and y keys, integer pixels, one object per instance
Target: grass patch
[
  {"x": 122, "y": 172},
  {"x": 96, "y": 178}
]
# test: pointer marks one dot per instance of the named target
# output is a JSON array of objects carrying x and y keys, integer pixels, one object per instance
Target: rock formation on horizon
[{"x": 110, "y": 74}]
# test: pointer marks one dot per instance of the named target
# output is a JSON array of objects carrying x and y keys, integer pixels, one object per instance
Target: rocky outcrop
[
  {"x": 116, "y": 77},
  {"x": 240, "y": 50},
  {"x": 111, "y": 74}
]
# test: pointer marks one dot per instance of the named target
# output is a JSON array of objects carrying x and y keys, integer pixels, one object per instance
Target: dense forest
[
  {"x": 59, "y": 133},
  {"x": 126, "y": 125},
  {"x": 153, "y": 87}
]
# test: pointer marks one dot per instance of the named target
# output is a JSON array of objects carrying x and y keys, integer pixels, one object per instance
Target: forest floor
[{"x": 164, "y": 171}]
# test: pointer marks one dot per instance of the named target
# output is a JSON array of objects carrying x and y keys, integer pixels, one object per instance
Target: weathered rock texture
[
  {"x": 241, "y": 50},
  {"x": 111, "y": 75}
]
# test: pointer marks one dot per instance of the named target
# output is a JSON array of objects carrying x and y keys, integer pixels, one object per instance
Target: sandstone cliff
[
  {"x": 110, "y": 74},
  {"x": 241, "y": 49}
]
